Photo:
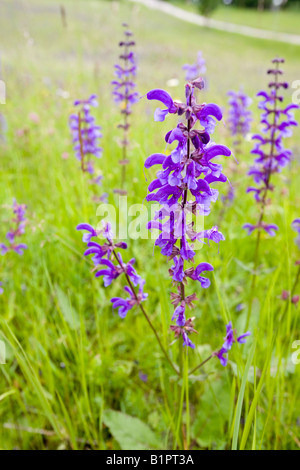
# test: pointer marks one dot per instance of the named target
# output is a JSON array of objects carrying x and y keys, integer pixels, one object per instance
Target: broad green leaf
[
  {"x": 68, "y": 312},
  {"x": 131, "y": 433}
]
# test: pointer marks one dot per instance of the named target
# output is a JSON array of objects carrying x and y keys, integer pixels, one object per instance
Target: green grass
[
  {"x": 284, "y": 21},
  {"x": 70, "y": 360}
]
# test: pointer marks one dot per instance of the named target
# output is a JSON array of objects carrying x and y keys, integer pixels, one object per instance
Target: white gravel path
[{"x": 194, "y": 18}]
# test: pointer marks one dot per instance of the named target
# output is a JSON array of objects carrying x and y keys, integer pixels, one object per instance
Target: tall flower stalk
[
  {"x": 239, "y": 118},
  {"x": 86, "y": 135},
  {"x": 183, "y": 189},
  {"x": 239, "y": 124},
  {"x": 272, "y": 157},
  {"x": 124, "y": 93}
]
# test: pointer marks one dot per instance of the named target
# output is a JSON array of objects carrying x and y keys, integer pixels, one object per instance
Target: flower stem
[
  {"x": 145, "y": 315},
  {"x": 297, "y": 278},
  {"x": 200, "y": 365},
  {"x": 187, "y": 401}
]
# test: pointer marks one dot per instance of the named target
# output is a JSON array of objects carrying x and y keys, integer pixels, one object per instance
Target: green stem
[
  {"x": 187, "y": 400},
  {"x": 200, "y": 365},
  {"x": 254, "y": 275},
  {"x": 145, "y": 315},
  {"x": 297, "y": 278},
  {"x": 179, "y": 436}
]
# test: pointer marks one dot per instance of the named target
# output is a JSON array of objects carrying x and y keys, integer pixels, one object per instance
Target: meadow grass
[{"x": 71, "y": 378}]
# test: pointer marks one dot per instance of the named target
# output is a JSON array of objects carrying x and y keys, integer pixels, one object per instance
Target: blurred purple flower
[
  {"x": 124, "y": 92},
  {"x": 86, "y": 134},
  {"x": 17, "y": 229},
  {"x": 229, "y": 339},
  {"x": 296, "y": 227},
  {"x": 195, "y": 70},
  {"x": 271, "y": 156},
  {"x": 240, "y": 117}
]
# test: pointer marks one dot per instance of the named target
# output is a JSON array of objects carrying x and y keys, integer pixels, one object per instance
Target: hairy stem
[
  {"x": 200, "y": 365},
  {"x": 145, "y": 314}
]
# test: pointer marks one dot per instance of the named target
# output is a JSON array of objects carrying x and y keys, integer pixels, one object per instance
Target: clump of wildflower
[
  {"x": 184, "y": 189},
  {"x": 109, "y": 265},
  {"x": 17, "y": 229},
  {"x": 272, "y": 157},
  {"x": 124, "y": 91},
  {"x": 230, "y": 338},
  {"x": 86, "y": 134},
  {"x": 195, "y": 70}
]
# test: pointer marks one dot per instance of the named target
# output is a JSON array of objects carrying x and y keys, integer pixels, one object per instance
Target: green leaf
[
  {"x": 68, "y": 312},
  {"x": 131, "y": 433}
]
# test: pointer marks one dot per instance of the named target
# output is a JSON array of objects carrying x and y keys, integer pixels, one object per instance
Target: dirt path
[{"x": 221, "y": 25}]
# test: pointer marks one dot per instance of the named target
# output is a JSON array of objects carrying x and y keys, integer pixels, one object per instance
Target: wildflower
[
  {"x": 17, "y": 229},
  {"x": 240, "y": 117},
  {"x": 124, "y": 92},
  {"x": 239, "y": 123},
  {"x": 143, "y": 377},
  {"x": 229, "y": 340},
  {"x": 296, "y": 227},
  {"x": 195, "y": 70},
  {"x": 285, "y": 295},
  {"x": 86, "y": 134},
  {"x": 1, "y": 288},
  {"x": 183, "y": 188},
  {"x": 271, "y": 156},
  {"x": 109, "y": 264},
  {"x": 125, "y": 305}
]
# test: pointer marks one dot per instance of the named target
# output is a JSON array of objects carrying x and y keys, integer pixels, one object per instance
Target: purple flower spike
[
  {"x": 184, "y": 187},
  {"x": 17, "y": 229},
  {"x": 271, "y": 156},
  {"x": 86, "y": 135},
  {"x": 296, "y": 227},
  {"x": 229, "y": 340},
  {"x": 240, "y": 117},
  {"x": 195, "y": 70},
  {"x": 124, "y": 92}
]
